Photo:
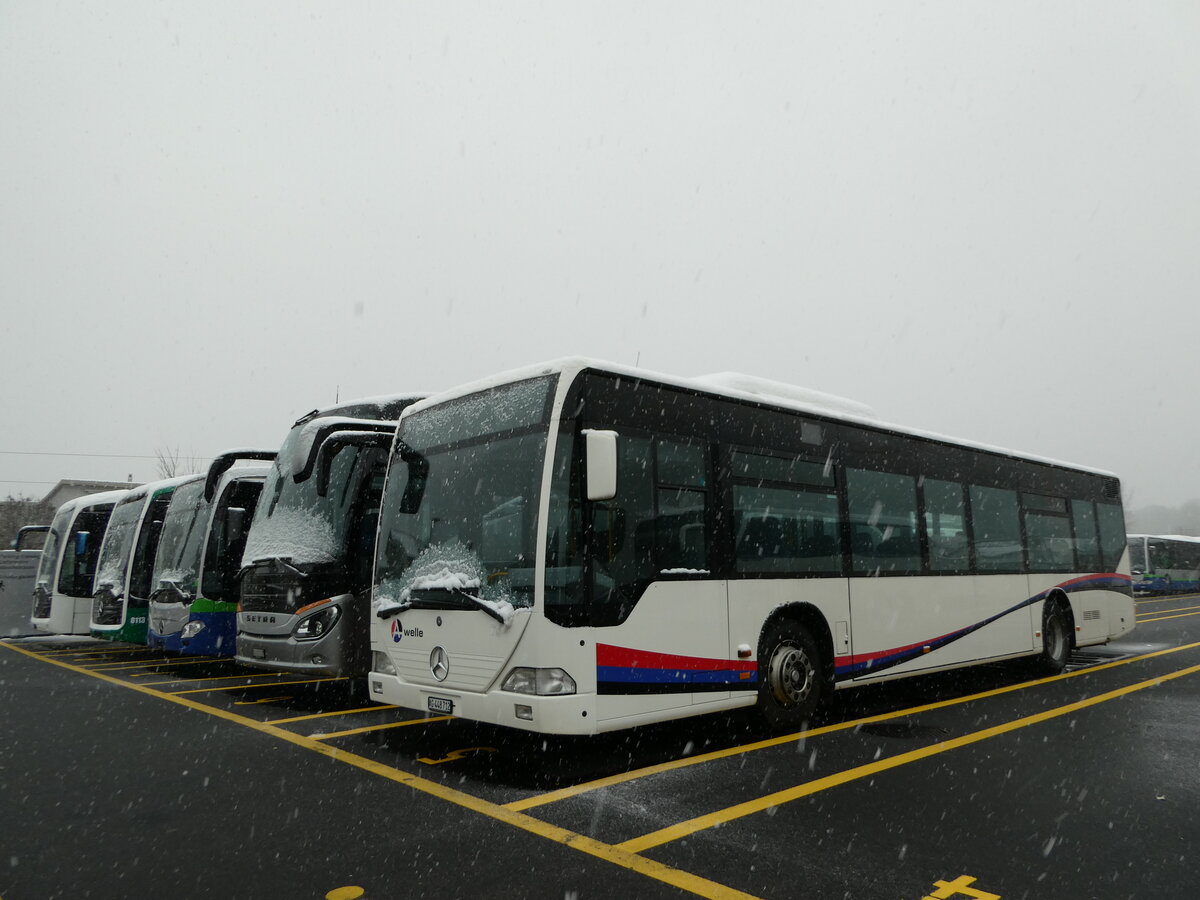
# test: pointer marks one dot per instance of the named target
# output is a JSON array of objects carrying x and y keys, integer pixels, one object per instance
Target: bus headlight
[
  {"x": 191, "y": 629},
  {"x": 542, "y": 682},
  {"x": 381, "y": 664},
  {"x": 318, "y": 624}
]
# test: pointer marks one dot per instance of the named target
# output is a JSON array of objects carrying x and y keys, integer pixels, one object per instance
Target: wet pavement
[{"x": 125, "y": 773}]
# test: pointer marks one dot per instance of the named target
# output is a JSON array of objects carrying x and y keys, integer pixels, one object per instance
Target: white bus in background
[
  {"x": 1164, "y": 563},
  {"x": 62, "y": 597},
  {"x": 579, "y": 548}
]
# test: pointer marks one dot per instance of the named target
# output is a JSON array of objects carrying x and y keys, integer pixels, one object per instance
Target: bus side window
[
  {"x": 1087, "y": 547},
  {"x": 883, "y": 522},
  {"x": 1112, "y": 534},
  {"x": 946, "y": 524},
  {"x": 996, "y": 523}
]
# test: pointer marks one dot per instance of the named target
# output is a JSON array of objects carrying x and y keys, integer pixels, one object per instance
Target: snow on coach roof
[{"x": 742, "y": 387}]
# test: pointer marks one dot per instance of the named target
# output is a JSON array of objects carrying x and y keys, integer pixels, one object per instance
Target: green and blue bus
[
  {"x": 193, "y": 608},
  {"x": 121, "y": 596}
]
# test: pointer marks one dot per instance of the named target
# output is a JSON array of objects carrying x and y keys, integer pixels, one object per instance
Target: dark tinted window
[
  {"x": 997, "y": 530},
  {"x": 883, "y": 522}
]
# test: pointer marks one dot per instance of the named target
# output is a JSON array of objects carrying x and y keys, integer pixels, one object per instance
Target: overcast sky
[{"x": 982, "y": 219}]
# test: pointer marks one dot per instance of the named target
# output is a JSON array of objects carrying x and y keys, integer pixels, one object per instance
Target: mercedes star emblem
[{"x": 439, "y": 663}]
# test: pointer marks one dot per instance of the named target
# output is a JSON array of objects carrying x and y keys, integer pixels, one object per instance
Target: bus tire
[
  {"x": 1056, "y": 640},
  {"x": 790, "y": 675}
]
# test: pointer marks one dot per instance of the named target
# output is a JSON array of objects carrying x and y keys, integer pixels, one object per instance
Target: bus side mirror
[
  {"x": 18, "y": 543},
  {"x": 81, "y": 542},
  {"x": 333, "y": 443},
  {"x": 418, "y": 474},
  {"x": 235, "y": 523},
  {"x": 601, "y": 457}
]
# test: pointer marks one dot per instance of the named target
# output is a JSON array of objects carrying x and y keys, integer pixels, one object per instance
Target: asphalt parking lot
[{"x": 124, "y": 773}]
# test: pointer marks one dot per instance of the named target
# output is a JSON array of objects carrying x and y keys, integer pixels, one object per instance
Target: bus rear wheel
[
  {"x": 789, "y": 675},
  {"x": 1056, "y": 640}
]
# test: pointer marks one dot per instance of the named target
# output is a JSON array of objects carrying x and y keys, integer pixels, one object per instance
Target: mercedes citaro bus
[
  {"x": 307, "y": 562},
  {"x": 581, "y": 547}
]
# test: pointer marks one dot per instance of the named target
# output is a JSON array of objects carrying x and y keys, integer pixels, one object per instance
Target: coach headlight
[
  {"x": 318, "y": 624},
  {"x": 542, "y": 682},
  {"x": 191, "y": 629}
]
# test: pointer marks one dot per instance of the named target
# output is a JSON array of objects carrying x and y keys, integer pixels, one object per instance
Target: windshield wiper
[
  {"x": 395, "y": 610},
  {"x": 430, "y": 603},
  {"x": 482, "y": 604},
  {"x": 171, "y": 587},
  {"x": 282, "y": 562}
]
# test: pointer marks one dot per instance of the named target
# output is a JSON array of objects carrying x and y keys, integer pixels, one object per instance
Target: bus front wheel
[
  {"x": 1056, "y": 640},
  {"x": 789, "y": 675}
]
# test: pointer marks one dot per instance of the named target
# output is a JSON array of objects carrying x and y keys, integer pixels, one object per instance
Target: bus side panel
[
  {"x": 1091, "y": 609},
  {"x": 686, "y": 661},
  {"x": 896, "y": 619},
  {"x": 752, "y": 600}
]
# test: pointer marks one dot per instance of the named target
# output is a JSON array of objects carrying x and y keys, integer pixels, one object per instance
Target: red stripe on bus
[{"x": 628, "y": 658}]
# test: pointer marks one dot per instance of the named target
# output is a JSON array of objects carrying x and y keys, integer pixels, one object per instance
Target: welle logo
[{"x": 399, "y": 631}]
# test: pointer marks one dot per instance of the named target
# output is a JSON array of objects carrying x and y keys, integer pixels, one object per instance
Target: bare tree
[{"x": 171, "y": 463}]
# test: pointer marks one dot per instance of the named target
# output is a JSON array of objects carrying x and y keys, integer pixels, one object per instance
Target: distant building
[{"x": 69, "y": 489}]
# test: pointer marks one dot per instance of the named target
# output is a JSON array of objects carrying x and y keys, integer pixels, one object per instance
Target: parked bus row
[
  {"x": 171, "y": 563},
  {"x": 579, "y": 547}
]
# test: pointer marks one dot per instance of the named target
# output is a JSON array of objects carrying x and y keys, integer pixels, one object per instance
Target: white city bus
[
  {"x": 579, "y": 548},
  {"x": 62, "y": 597}
]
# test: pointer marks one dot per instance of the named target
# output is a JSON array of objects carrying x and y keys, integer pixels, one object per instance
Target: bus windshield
[
  {"x": 178, "y": 558},
  {"x": 118, "y": 544},
  {"x": 459, "y": 521},
  {"x": 62, "y": 521},
  {"x": 292, "y": 521}
]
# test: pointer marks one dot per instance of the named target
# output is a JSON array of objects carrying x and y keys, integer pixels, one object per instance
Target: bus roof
[
  {"x": 382, "y": 407},
  {"x": 747, "y": 388}
]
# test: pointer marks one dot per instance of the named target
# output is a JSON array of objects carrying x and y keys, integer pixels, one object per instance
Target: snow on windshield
[
  {"x": 299, "y": 534},
  {"x": 449, "y": 566}
]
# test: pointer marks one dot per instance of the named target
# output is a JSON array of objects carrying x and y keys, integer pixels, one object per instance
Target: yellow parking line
[
  {"x": 336, "y": 712},
  {"x": 686, "y": 881},
  {"x": 235, "y": 687},
  {"x": 81, "y": 650},
  {"x": 1164, "y": 618},
  {"x": 778, "y": 798},
  {"x": 621, "y": 777},
  {"x": 160, "y": 661},
  {"x": 1159, "y": 612},
  {"x": 335, "y": 734},
  {"x": 214, "y": 678},
  {"x": 1170, "y": 599}
]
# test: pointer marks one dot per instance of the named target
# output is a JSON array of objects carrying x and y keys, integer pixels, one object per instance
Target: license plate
[
  {"x": 259, "y": 653},
  {"x": 441, "y": 705}
]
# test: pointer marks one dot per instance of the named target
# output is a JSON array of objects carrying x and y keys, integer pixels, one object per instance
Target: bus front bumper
[{"x": 564, "y": 714}]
